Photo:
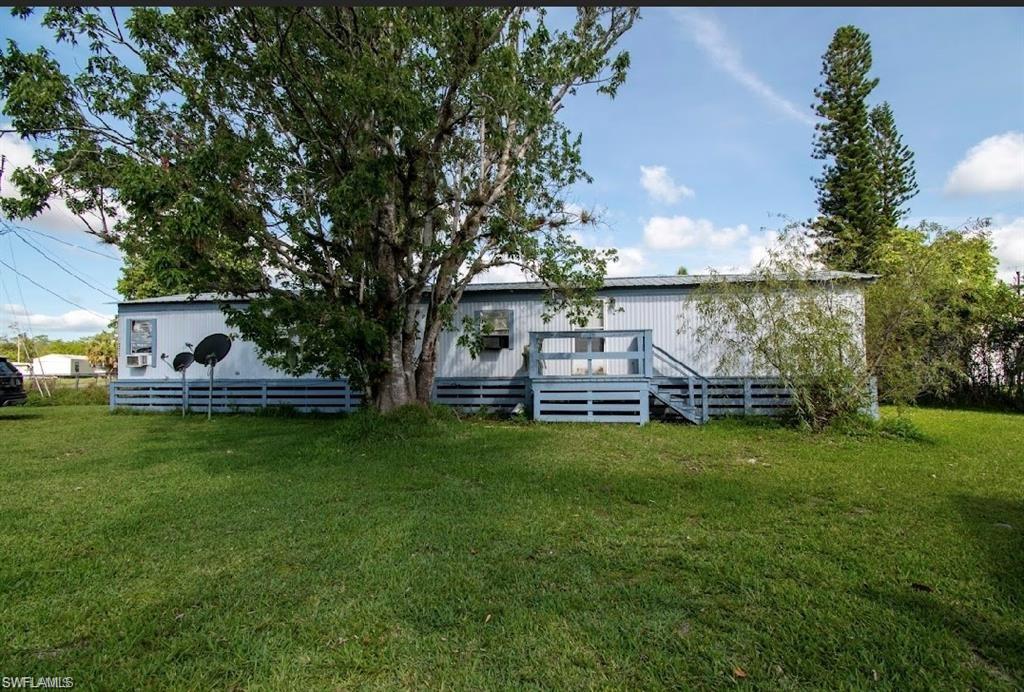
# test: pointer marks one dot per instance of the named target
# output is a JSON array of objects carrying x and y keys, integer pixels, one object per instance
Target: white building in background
[{"x": 62, "y": 365}]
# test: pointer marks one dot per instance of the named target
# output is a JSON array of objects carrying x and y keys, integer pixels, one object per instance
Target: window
[
  {"x": 497, "y": 329},
  {"x": 595, "y": 321},
  {"x": 141, "y": 336}
]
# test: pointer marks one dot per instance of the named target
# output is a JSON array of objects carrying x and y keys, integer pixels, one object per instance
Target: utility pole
[{"x": 31, "y": 366}]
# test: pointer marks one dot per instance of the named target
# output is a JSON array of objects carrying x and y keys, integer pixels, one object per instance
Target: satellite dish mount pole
[
  {"x": 210, "y": 351},
  {"x": 209, "y": 395},
  {"x": 180, "y": 364}
]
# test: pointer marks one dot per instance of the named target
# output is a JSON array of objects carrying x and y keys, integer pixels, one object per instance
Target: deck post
[
  {"x": 689, "y": 389},
  {"x": 704, "y": 400},
  {"x": 747, "y": 400},
  {"x": 534, "y": 360},
  {"x": 648, "y": 353}
]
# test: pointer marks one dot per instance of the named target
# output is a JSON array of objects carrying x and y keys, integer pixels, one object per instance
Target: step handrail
[
  {"x": 676, "y": 363},
  {"x": 658, "y": 352}
]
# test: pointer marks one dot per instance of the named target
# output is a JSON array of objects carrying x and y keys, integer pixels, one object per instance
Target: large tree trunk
[
  {"x": 426, "y": 366},
  {"x": 426, "y": 370},
  {"x": 398, "y": 387}
]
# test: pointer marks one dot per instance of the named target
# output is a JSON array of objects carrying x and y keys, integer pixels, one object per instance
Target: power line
[
  {"x": 56, "y": 295},
  {"x": 28, "y": 322},
  {"x": 62, "y": 267},
  {"x": 21, "y": 293},
  {"x": 68, "y": 243}
]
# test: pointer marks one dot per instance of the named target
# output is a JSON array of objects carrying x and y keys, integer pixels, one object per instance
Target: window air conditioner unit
[{"x": 138, "y": 360}]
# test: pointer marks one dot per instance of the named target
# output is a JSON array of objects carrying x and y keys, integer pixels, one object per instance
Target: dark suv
[{"x": 12, "y": 392}]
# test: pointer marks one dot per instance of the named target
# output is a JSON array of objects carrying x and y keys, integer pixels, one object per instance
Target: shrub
[
  {"x": 898, "y": 427},
  {"x": 790, "y": 323}
]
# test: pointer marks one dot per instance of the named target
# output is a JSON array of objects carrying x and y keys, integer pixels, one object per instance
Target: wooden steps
[{"x": 680, "y": 405}]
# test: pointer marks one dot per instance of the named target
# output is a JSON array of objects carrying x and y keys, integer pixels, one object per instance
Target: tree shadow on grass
[
  {"x": 18, "y": 415},
  {"x": 997, "y": 524},
  {"x": 992, "y": 631}
]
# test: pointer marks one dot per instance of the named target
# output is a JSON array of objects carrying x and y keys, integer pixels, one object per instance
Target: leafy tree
[
  {"x": 849, "y": 224},
  {"x": 102, "y": 352},
  {"x": 350, "y": 169},
  {"x": 996, "y": 372},
  {"x": 158, "y": 270},
  {"x": 682, "y": 271},
  {"x": 145, "y": 279},
  {"x": 940, "y": 324},
  {"x": 40, "y": 345},
  {"x": 897, "y": 180}
]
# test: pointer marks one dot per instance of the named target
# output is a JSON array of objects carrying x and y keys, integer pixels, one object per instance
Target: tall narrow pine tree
[
  {"x": 897, "y": 181},
  {"x": 848, "y": 225}
]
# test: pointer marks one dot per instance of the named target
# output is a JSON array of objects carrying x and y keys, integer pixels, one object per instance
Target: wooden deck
[
  {"x": 632, "y": 383},
  {"x": 622, "y": 393},
  {"x": 591, "y": 399}
]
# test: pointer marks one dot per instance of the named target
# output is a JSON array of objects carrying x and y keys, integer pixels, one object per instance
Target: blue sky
[{"x": 708, "y": 143}]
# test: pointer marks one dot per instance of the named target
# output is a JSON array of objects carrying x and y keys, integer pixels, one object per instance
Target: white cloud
[
  {"x": 660, "y": 186},
  {"x": 17, "y": 153},
  {"x": 995, "y": 164},
  {"x": 71, "y": 321},
  {"x": 681, "y": 232},
  {"x": 1008, "y": 241},
  {"x": 506, "y": 273},
  {"x": 760, "y": 247},
  {"x": 707, "y": 33},
  {"x": 630, "y": 261}
]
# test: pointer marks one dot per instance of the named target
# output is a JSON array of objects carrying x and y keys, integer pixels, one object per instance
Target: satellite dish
[
  {"x": 180, "y": 364},
  {"x": 182, "y": 361},
  {"x": 211, "y": 351}
]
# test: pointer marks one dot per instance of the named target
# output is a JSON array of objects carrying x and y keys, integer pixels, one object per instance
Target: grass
[
  {"x": 63, "y": 392},
  {"x": 144, "y": 551}
]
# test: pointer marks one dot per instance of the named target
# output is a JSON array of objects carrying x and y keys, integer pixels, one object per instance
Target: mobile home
[
  {"x": 62, "y": 365},
  {"x": 639, "y": 356}
]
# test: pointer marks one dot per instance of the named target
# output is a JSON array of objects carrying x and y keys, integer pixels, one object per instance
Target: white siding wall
[
  {"x": 670, "y": 314},
  {"x": 189, "y": 323},
  {"x": 662, "y": 312}
]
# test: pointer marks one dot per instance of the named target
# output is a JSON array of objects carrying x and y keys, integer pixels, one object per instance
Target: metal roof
[
  {"x": 667, "y": 281},
  {"x": 672, "y": 281}
]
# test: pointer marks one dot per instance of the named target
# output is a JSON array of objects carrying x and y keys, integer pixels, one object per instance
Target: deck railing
[
  {"x": 639, "y": 350},
  {"x": 326, "y": 396}
]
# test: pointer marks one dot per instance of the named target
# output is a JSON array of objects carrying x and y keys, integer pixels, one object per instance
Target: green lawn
[{"x": 273, "y": 553}]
